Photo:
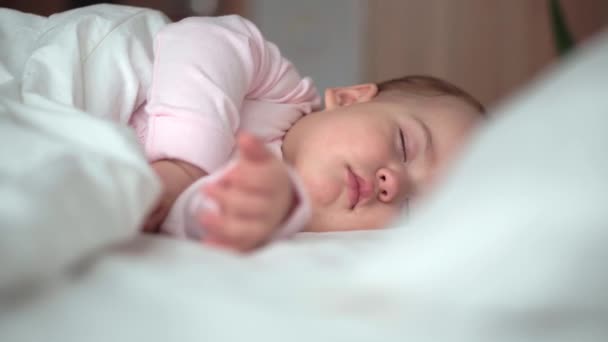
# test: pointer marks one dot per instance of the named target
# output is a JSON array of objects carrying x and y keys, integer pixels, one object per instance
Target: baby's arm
[
  {"x": 175, "y": 177},
  {"x": 196, "y": 213},
  {"x": 203, "y": 70}
]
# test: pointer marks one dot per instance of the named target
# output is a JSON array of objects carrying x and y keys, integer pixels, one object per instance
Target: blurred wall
[
  {"x": 490, "y": 48},
  {"x": 175, "y": 9},
  {"x": 324, "y": 39},
  {"x": 487, "y": 47}
]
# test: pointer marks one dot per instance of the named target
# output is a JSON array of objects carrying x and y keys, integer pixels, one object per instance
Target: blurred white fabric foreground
[
  {"x": 70, "y": 183},
  {"x": 513, "y": 248}
]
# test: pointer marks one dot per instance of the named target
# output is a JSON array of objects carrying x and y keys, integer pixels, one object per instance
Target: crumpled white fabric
[
  {"x": 97, "y": 59},
  {"x": 70, "y": 183}
]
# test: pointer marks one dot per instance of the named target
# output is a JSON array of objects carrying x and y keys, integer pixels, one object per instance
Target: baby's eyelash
[{"x": 403, "y": 145}]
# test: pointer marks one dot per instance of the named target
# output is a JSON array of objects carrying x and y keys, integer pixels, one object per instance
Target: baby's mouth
[
  {"x": 359, "y": 189},
  {"x": 353, "y": 188}
]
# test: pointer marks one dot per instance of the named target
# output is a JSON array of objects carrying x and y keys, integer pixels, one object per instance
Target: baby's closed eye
[{"x": 403, "y": 147}]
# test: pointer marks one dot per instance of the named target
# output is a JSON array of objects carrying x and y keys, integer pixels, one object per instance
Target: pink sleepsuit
[{"x": 212, "y": 77}]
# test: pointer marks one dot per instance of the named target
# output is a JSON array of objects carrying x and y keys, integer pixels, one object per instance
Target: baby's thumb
[{"x": 252, "y": 148}]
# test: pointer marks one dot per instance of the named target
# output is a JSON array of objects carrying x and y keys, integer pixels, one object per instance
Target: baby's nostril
[{"x": 383, "y": 177}]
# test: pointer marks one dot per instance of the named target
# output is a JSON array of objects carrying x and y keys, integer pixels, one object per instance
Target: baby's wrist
[{"x": 191, "y": 171}]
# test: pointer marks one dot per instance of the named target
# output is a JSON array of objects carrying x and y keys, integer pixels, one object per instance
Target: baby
[{"x": 246, "y": 155}]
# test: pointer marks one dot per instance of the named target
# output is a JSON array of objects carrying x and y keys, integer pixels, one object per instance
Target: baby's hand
[
  {"x": 175, "y": 177},
  {"x": 254, "y": 198}
]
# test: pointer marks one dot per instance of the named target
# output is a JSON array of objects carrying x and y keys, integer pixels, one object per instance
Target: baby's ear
[{"x": 345, "y": 96}]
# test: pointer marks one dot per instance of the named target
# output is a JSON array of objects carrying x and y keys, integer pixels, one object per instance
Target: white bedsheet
[{"x": 512, "y": 248}]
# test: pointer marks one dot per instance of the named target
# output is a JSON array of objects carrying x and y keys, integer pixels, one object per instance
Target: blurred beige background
[{"x": 489, "y": 47}]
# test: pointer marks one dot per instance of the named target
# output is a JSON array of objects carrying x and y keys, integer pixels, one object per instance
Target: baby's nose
[{"x": 388, "y": 185}]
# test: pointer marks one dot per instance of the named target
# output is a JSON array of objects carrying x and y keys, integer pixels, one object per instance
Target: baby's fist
[{"x": 254, "y": 198}]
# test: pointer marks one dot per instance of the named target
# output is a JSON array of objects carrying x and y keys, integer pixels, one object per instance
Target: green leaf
[{"x": 561, "y": 35}]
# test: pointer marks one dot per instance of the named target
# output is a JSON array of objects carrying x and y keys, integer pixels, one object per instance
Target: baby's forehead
[
  {"x": 409, "y": 102},
  {"x": 434, "y": 111}
]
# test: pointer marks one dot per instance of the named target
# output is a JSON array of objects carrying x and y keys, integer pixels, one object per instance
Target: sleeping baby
[{"x": 246, "y": 155}]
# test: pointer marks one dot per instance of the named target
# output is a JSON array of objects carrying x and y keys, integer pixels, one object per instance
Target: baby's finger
[
  {"x": 247, "y": 178},
  {"x": 211, "y": 221},
  {"x": 219, "y": 227},
  {"x": 234, "y": 201},
  {"x": 214, "y": 225},
  {"x": 232, "y": 232},
  {"x": 209, "y": 240},
  {"x": 243, "y": 234},
  {"x": 252, "y": 148}
]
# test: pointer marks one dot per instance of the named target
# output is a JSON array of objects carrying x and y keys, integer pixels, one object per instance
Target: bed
[{"x": 511, "y": 248}]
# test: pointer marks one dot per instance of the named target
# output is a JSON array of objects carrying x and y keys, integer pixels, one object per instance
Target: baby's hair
[{"x": 429, "y": 86}]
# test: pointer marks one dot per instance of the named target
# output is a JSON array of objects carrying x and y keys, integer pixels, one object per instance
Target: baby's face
[{"x": 364, "y": 163}]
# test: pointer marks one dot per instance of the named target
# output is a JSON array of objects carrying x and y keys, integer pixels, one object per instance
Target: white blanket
[
  {"x": 512, "y": 247},
  {"x": 70, "y": 183}
]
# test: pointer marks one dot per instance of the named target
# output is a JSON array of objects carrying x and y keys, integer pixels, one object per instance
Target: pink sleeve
[
  {"x": 182, "y": 219},
  {"x": 204, "y": 68}
]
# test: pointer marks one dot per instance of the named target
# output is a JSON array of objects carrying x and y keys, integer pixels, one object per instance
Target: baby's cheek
[{"x": 322, "y": 190}]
